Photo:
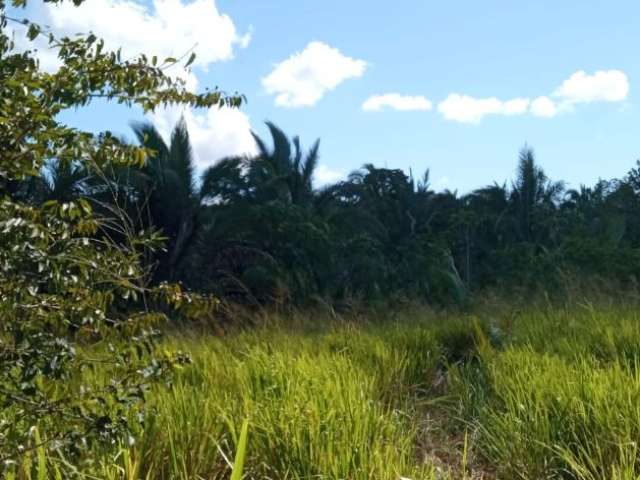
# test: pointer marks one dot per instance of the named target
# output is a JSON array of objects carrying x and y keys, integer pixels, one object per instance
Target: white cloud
[
  {"x": 466, "y": 109},
  {"x": 303, "y": 79},
  {"x": 602, "y": 86},
  {"x": 544, "y": 107},
  {"x": 215, "y": 134},
  {"x": 165, "y": 28},
  {"x": 325, "y": 175},
  {"x": 395, "y": 101},
  {"x": 170, "y": 29}
]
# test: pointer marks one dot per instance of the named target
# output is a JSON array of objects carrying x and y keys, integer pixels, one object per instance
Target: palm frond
[
  {"x": 280, "y": 156},
  {"x": 311, "y": 163},
  {"x": 180, "y": 158},
  {"x": 149, "y": 136}
]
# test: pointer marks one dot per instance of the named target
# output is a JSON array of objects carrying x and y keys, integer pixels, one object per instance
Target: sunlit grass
[{"x": 538, "y": 393}]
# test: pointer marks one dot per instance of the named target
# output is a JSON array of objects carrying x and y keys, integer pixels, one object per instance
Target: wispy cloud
[
  {"x": 304, "y": 78},
  {"x": 396, "y": 101}
]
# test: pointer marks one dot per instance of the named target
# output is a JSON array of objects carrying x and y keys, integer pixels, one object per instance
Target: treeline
[{"x": 255, "y": 230}]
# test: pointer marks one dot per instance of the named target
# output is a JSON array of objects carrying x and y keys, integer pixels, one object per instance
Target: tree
[
  {"x": 61, "y": 278},
  {"x": 259, "y": 236},
  {"x": 283, "y": 173},
  {"x": 167, "y": 193},
  {"x": 534, "y": 195},
  {"x": 384, "y": 223}
]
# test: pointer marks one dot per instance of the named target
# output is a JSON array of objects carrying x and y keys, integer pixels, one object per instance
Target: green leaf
[
  {"x": 33, "y": 31},
  {"x": 191, "y": 59},
  {"x": 241, "y": 452}
]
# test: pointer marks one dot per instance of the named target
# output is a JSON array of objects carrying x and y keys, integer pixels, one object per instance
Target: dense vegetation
[{"x": 255, "y": 230}]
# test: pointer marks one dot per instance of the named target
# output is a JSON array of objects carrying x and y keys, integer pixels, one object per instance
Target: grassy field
[{"x": 546, "y": 392}]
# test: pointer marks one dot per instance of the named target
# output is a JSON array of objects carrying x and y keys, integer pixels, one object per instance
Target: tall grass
[
  {"x": 562, "y": 399},
  {"x": 534, "y": 393},
  {"x": 338, "y": 403}
]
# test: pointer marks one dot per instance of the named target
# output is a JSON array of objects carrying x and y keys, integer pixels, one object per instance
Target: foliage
[
  {"x": 69, "y": 273},
  {"x": 257, "y": 231}
]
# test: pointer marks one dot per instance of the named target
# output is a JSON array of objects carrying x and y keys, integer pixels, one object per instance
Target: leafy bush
[{"x": 68, "y": 275}]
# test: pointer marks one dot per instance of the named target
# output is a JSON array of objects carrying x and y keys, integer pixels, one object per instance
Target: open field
[{"x": 547, "y": 393}]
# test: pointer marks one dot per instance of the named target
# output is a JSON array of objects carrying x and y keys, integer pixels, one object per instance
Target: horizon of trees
[{"x": 255, "y": 230}]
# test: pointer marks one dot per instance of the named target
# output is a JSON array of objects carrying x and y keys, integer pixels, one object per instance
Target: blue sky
[{"x": 478, "y": 50}]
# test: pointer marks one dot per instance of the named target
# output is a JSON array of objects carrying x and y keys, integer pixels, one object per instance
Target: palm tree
[
  {"x": 167, "y": 193},
  {"x": 532, "y": 192},
  {"x": 485, "y": 224},
  {"x": 57, "y": 180},
  {"x": 391, "y": 226},
  {"x": 258, "y": 218},
  {"x": 63, "y": 181},
  {"x": 284, "y": 172}
]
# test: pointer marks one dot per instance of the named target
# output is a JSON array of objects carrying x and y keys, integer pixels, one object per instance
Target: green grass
[{"x": 545, "y": 392}]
